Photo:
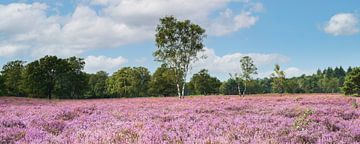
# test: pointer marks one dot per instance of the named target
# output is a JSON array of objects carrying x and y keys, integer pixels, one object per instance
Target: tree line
[
  {"x": 179, "y": 44},
  {"x": 53, "y": 77}
]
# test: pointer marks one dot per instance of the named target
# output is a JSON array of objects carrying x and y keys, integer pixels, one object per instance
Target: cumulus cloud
[
  {"x": 29, "y": 24},
  {"x": 342, "y": 24},
  {"x": 230, "y": 63},
  {"x": 113, "y": 24},
  {"x": 228, "y": 22},
  {"x": 97, "y": 63}
]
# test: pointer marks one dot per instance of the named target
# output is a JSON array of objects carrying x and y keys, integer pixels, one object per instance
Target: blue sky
[{"x": 301, "y": 36}]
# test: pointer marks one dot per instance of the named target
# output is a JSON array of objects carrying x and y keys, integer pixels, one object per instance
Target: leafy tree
[
  {"x": 279, "y": 81},
  {"x": 52, "y": 76},
  {"x": 97, "y": 85},
  {"x": 12, "y": 75},
  {"x": 72, "y": 82},
  {"x": 179, "y": 43},
  {"x": 204, "y": 84},
  {"x": 352, "y": 82},
  {"x": 42, "y": 75},
  {"x": 248, "y": 69},
  {"x": 230, "y": 87},
  {"x": 162, "y": 82},
  {"x": 129, "y": 82}
]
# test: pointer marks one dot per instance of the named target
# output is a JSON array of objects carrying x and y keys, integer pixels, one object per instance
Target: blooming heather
[{"x": 315, "y": 118}]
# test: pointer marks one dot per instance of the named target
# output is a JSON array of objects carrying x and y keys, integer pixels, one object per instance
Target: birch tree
[
  {"x": 179, "y": 43},
  {"x": 248, "y": 69}
]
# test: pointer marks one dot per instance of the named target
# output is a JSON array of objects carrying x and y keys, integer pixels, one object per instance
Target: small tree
[
  {"x": 248, "y": 69},
  {"x": 278, "y": 83},
  {"x": 352, "y": 82},
  {"x": 179, "y": 43}
]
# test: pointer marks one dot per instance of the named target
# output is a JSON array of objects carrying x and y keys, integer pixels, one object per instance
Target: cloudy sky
[{"x": 301, "y": 36}]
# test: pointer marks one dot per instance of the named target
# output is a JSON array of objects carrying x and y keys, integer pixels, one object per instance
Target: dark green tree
[
  {"x": 179, "y": 43},
  {"x": 163, "y": 82},
  {"x": 51, "y": 76},
  {"x": 204, "y": 84},
  {"x": 12, "y": 76},
  {"x": 352, "y": 82}
]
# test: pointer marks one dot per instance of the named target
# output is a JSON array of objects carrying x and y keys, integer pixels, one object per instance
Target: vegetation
[
  {"x": 129, "y": 82},
  {"x": 178, "y": 45},
  {"x": 248, "y": 69},
  {"x": 352, "y": 82},
  {"x": 279, "y": 82},
  {"x": 203, "y": 84}
]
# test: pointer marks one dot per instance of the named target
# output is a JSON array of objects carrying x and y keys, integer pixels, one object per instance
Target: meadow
[{"x": 302, "y": 118}]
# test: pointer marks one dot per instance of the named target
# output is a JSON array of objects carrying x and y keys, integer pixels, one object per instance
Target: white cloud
[
  {"x": 114, "y": 24},
  {"x": 342, "y": 24},
  {"x": 230, "y": 63},
  {"x": 11, "y": 50},
  {"x": 97, "y": 63},
  {"x": 228, "y": 22},
  {"x": 293, "y": 71}
]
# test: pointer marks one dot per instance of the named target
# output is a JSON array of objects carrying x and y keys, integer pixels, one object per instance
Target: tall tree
[
  {"x": 204, "y": 84},
  {"x": 162, "y": 82},
  {"x": 279, "y": 82},
  {"x": 12, "y": 74},
  {"x": 248, "y": 68},
  {"x": 352, "y": 82},
  {"x": 179, "y": 43}
]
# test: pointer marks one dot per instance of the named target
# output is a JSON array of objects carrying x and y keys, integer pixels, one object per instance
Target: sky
[{"x": 300, "y": 36}]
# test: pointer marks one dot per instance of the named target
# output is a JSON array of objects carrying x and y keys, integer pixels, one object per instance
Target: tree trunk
[
  {"x": 178, "y": 90},
  {"x": 244, "y": 89},
  {"x": 183, "y": 90},
  {"x": 238, "y": 87}
]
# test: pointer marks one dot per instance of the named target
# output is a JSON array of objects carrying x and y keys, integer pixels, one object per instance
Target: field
[{"x": 310, "y": 118}]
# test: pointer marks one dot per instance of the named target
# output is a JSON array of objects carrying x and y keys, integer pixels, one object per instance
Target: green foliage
[
  {"x": 230, "y": 87},
  {"x": 163, "y": 82},
  {"x": 12, "y": 77},
  {"x": 179, "y": 43},
  {"x": 97, "y": 85},
  {"x": 279, "y": 81},
  {"x": 352, "y": 82},
  {"x": 203, "y": 84},
  {"x": 129, "y": 82},
  {"x": 248, "y": 69},
  {"x": 51, "y": 76}
]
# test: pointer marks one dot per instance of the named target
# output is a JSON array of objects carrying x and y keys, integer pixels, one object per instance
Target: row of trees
[
  {"x": 179, "y": 44},
  {"x": 52, "y": 77}
]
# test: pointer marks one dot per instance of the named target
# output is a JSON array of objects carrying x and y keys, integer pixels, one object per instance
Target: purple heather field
[{"x": 307, "y": 118}]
